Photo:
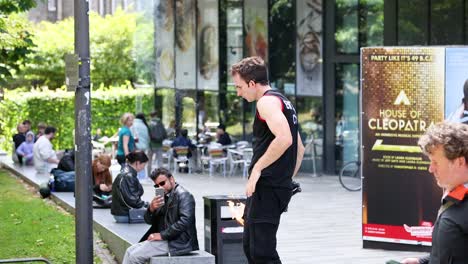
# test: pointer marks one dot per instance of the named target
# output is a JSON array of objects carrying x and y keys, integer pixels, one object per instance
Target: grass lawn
[{"x": 31, "y": 226}]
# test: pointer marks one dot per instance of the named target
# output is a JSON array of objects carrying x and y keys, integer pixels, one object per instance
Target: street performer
[{"x": 277, "y": 156}]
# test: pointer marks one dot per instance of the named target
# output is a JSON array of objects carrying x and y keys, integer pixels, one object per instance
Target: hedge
[{"x": 56, "y": 108}]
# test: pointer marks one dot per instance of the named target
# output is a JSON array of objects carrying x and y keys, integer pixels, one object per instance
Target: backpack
[
  {"x": 67, "y": 162},
  {"x": 157, "y": 131}
]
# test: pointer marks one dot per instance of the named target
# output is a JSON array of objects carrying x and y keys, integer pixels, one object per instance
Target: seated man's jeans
[
  {"x": 142, "y": 252},
  {"x": 121, "y": 218}
]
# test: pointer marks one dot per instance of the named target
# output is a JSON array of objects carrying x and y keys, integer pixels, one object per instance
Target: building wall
[{"x": 54, "y": 10}]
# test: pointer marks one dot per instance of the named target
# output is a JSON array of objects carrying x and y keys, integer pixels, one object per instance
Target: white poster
[
  {"x": 256, "y": 28},
  {"x": 185, "y": 44},
  {"x": 208, "y": 49},
  {"x": 164, "y": 43},
  {"x": 309, "y": 47}
]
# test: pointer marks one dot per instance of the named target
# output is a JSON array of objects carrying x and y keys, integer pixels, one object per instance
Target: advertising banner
[
  {"x": 164, "y": 44},
  {"x": 256, "y": 28},
  {"x": 185, "y": 44},
  {"x": 456, "y": 85},
  {"x": 402, "y": 94},
  {"x": 208, "y": 49},
  {"x": 309, "y": 47}
]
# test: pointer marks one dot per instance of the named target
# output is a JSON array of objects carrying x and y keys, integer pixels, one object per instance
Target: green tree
[
  {"x": 111, "y": 51},
  {"x": 15, "y": 39}
]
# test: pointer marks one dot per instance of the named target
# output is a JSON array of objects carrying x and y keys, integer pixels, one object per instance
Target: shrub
[{"x": 56, "y": 108}]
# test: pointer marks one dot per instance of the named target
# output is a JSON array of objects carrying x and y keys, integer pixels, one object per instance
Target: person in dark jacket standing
[
  {"x": 127, "y": 189},
  {"x": 172, "y": 220},
  {"x": 446, "y": 145},
  {"x": 277, "y": 156}
]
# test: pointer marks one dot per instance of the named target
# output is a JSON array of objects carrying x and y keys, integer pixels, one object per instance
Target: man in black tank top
[{"x": 277, "y": 156}]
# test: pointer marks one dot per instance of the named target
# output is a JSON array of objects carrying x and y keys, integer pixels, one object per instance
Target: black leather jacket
[
  {"x": 175, "y": 221},
  {"x": 127, "y": 186},
  {"x": 450, "y": 233}
]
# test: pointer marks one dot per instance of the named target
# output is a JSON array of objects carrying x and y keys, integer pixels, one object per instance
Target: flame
[{"x": 237, "y": 211}]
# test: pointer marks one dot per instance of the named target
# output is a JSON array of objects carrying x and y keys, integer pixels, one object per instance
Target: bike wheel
[{"x": 350, "y": 176}]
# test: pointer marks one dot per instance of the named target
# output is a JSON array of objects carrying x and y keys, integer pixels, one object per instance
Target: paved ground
[{"x": 323, "y": 224}]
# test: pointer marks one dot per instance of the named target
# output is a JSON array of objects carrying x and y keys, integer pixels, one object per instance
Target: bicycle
[{"x": 350, "y": 176}]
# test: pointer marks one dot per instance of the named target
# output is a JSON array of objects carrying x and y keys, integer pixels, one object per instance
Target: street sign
[{"x": 71, "y": 71}]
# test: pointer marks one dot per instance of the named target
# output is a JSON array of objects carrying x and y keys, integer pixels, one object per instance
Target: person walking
[
  {"x": 126, "y": 143},
  {"x": 277, "y": 156},
  {"x": 157, "y": 134},
  {"x": 140, "y": 127}
]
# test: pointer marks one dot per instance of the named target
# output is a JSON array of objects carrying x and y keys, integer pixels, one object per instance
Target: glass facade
[
  {"x": 359, "y": 23},
  {"x": 185, "y": 48}
]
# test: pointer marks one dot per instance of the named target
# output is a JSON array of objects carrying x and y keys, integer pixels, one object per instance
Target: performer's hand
[
  {"x": 410, "y": 261},
  {"x": 252, "y": 182},
  {"x": 155, "y": 237}
]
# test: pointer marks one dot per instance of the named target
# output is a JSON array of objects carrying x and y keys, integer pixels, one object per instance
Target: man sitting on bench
[{"x": 172, "y": 220}]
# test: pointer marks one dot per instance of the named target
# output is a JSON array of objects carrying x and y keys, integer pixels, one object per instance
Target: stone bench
[{"x": 195, "y": 257}]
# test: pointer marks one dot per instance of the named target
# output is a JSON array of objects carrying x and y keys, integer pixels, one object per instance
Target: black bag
[
  {"x": 67, "y": 162},
  {"x": 136, "y": 215},
  {"x": 102, "y": 201},
  {"x": 64, "y": 181},
  {"x": 44, "y": 190}
]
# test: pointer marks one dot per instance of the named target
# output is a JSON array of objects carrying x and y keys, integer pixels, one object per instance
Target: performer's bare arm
[
  {"x": 269, "y": 108},
  {"x": 300, "y": 154}
]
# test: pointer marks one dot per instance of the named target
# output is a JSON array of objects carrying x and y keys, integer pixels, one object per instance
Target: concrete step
[{"x": 195, "y": 257}]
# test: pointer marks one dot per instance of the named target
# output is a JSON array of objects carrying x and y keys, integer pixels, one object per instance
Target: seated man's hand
[
  {"x": 410, "y": 261},
  {"x": 155, "y": 237},
  {"x": 156, "y": 203}
]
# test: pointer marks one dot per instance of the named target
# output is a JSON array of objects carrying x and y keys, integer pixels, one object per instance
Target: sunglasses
[{"x": 161, "y": 184}]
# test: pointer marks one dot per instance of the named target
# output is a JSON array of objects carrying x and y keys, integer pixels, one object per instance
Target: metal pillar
[
  {"x": 83, "y": 186},
  {"x": 329, "y": 91}
]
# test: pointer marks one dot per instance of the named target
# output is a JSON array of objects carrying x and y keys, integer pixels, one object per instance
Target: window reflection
[
  {"x": 188, "y": 111},
  {"x": 165, "y": 102},
  {"x": 346, "y": 18},
  {"x": 234, "y": 36},
  {"x": 282, "y": 53},
  {"x": 444, "y": 14},
  {"x": 310, "y": 115},
  {"x": 234, "y": 116},
  {"x": 347, "y": 114},
  {"x": 144, "y": 47},
  {"x": 208, "y": 118},
  {"x": 358, "y": 24},
  {"x": 412, "y": 22},
  {"x": 371, "y": 23}
]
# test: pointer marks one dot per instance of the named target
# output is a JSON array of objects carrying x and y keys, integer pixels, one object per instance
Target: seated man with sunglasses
[{"x": 172, "y": 220}]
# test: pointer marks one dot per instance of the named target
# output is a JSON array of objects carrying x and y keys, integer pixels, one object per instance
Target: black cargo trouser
[{"x": 262, "y": 216}]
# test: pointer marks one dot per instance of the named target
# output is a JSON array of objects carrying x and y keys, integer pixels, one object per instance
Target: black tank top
[{"x": 280, "y": 172}]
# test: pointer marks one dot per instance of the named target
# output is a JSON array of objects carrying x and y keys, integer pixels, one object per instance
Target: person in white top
[
  {"x": 140, "y": 132},
  {"x": 43, "y": 152}
]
